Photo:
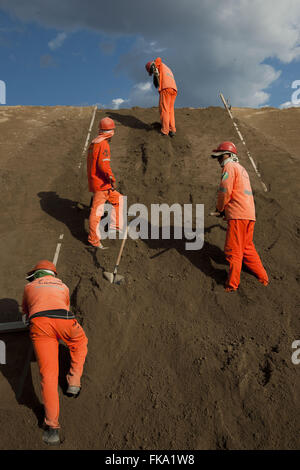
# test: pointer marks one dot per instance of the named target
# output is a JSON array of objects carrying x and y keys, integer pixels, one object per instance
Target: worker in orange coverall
[
  {"x": 46, "y": 304},
  {"x": 163, "y": 79},
  {"x": 101, "y": 183},
  {"x": 235, "y": 201}
]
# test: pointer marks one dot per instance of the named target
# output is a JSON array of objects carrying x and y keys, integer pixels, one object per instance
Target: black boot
[
  {"x": 51, "y": 436},
  {"x": 73, "y": 391}
]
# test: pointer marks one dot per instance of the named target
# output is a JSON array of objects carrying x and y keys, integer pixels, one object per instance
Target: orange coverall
[
  {"x": 167, "y": 96},
  {"x": 236, "y": 199},
  {"x": 100, "y": 176},
  {"x": 46, "y": 303}
]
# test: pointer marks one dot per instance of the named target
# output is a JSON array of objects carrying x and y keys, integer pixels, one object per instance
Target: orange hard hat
[
  {"x": 148, "y": 66},
  {"x": 43, "y": 264},
  {"x": 224, "y": 147},
  {"x": 106, "y": 124}
]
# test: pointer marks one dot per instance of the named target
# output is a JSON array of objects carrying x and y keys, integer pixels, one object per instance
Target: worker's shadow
[
  {"x": 132, "y": 121},
  {"x": 202, "y": 258},
  {"x": 18, "y": 358},
  {"x": 71, "y": 213}
]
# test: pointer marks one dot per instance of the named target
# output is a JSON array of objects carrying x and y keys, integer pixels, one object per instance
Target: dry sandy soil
[{"x": 174, "y": 362}]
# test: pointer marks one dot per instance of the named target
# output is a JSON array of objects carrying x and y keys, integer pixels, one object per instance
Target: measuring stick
[{"x": 243, "y": 142}]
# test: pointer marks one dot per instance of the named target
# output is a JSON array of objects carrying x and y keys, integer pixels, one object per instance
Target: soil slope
[{"x": 174, "y": 362}]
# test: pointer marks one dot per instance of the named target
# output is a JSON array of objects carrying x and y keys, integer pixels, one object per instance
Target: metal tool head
[
  {"x": 108, "y": 276},
  {"x": 113, "y": 278},
  {"x": 118, "y": 279}
]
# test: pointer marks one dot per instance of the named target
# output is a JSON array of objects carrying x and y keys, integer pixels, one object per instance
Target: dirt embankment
[{"x": 174, "y": 362}]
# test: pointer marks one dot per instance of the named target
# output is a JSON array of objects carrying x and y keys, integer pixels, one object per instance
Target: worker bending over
[
  {"x": 46, "y": 305},
  {"x": 163, "y": 79},
  {"x": 235, "y": 200}
]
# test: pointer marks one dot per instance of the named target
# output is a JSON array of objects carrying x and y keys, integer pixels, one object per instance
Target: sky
[{"x": 70, "y": 52}]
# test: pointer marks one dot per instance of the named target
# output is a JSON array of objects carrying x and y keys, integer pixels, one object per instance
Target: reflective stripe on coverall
[
  {"x": 167, "y": 96},
  {"x": 44, "y": 294},
  {"x": 236, "y": 199}
]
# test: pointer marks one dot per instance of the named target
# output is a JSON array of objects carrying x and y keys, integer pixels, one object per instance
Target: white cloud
[
  {"x": 57, "y": 42},
  {"x": 210, "y": 45},
  {"x": 289, "y": 104},
  {"x": 286, "y": 105},
  {"x": 117, "y": 102},
  {"x": 155, "y": 48},
  {"x": 146, "y": 86},
  {"x": 141, "y": 94}
]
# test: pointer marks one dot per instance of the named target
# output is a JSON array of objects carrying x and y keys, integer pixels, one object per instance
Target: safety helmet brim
[
  {"x": 218, "y": 154},
  {"x": 43, "y": 264}
]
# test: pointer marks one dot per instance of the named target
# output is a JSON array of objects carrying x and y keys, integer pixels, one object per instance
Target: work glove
[{"x": 221, "y": 214}]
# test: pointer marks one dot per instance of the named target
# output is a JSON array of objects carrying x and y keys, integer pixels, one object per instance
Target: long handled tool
[
  {"x": 115, "y": 278},
  {"x": 243, "y": 141}
]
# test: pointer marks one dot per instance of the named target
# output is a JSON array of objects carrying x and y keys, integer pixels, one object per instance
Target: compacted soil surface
[{"x": 174, "y": 362}]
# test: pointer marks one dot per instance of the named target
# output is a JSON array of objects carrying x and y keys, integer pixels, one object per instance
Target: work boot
[
  {"x": 51, "y": 436},
  {"x": 73, "y": 391},
  {"x": 230, "y": 289},
  {"x": 172, "y": 134},
  {"x": 162, "y": 134},
  {"x": 100, "y": 246}
]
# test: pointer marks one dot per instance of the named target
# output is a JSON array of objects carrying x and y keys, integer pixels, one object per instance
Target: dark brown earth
[{"x": 174, "y": 362}]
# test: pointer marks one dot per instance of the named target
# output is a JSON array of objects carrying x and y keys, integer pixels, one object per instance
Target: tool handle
[
  {"x": 223, "y": 99},
  {"x": 121, "y": 249}
]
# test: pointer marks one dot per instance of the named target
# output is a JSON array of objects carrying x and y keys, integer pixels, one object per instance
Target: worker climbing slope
[
  {"x": 46, "y": 304},
  {"x": 235, "y": 200},
  {"x": 163, "y": 79},
  {"x": 102, "y": 183}
]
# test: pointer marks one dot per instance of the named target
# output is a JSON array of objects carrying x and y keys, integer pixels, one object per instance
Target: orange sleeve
[
  {"x": 225, "y": 188},
  {"x": 104, "y": 161}
]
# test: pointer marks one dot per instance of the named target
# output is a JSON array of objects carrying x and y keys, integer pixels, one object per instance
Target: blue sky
[
  {"x": 77, "y": 72},
  {"x": 72, "y": 53}
]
